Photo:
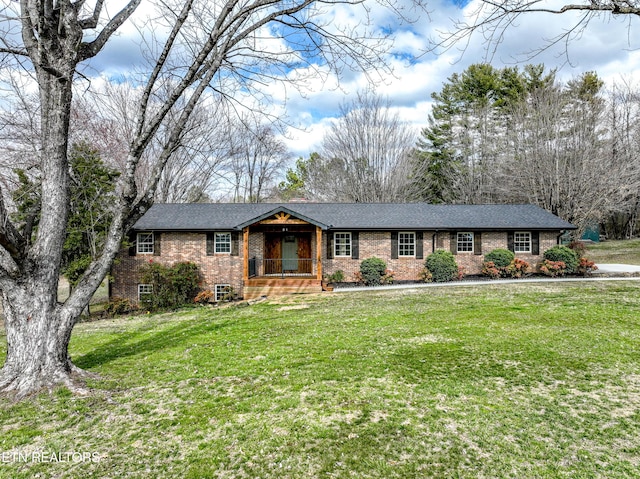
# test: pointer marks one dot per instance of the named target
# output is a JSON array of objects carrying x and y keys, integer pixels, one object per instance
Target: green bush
[
  {"x": 173, "y": 286},
  {"x": 372, "y": 271},
  {"x": 501, "y": 258},
  {"x": 336, "y": 277},
  {"x": 442, "y": 266},
  {"x": 566, "y": 255},
  {"x": 119, "y": 306}
]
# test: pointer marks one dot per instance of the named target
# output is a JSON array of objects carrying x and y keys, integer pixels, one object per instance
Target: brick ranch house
[{"x": 271, "y": 248}]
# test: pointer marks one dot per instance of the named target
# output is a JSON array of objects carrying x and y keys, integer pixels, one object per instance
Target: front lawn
[
  {"x": 615, "y": 251},
  {"x": 522, "y": 381}
]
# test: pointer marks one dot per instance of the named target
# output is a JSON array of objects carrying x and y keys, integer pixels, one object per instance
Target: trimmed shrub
[
  {"x": 442, "y": 266},
  {"x": 566, "y": 255},
  {"x": 372, "y": 271},
  {"x": 518, "y": 268},
  {"x": 119, "y": 306},
  {"x": 173, "y": 286},
  {"x": 425, "y": 276},
  {"x": 501, "y": 258},
  {"x": 553, "y": 268},
  {"x": 336, "y": 277},
  {"x": 489, "y": 269},
  {"x": 204, "y": 297},
  {"x": 586, "y": 267}
]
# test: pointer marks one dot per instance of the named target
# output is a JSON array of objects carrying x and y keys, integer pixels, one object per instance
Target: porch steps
[{"x": 257, "y": 287}]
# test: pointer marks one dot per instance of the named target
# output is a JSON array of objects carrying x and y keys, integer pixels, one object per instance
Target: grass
[
  {"x": 521, "y": 381},
  {"x": 616, "y": 251}
]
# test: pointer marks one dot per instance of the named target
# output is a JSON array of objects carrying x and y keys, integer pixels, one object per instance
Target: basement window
[
  {"x": 145, "y": 291},
  {"x": 223, "y": 292}
]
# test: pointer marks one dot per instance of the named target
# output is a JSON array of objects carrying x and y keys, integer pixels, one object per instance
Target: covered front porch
[{"x": 282, "y": 255}]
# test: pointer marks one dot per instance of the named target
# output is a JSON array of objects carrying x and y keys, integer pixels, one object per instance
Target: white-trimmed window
[
  {"x": 223, "y": 243},
  {"x": 342, "y": 244},
  {"x": 406, "y": 244},
  {"x": 145, "y": 243},
  {"x": 522, "y": 242},
  {"x": 144, "y": 292},
  {"x": 465, "y": 242},
  {"x": 222, "y": 292}
]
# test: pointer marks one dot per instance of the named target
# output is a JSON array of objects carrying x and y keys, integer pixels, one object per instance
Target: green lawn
[
  {"x": 521, "y": 381},
  {"x": 626, "y": 252}
]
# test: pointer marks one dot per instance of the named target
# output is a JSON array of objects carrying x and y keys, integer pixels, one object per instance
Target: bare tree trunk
[
  {"x": 37, "y": 337},
  {"x": 37, "y": 348}
]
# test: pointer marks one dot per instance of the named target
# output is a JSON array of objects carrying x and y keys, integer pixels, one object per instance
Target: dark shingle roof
[{"x": 357, "y": 216}]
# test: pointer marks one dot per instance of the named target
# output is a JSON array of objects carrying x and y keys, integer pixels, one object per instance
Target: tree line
[{"x": 494, "y": 135}]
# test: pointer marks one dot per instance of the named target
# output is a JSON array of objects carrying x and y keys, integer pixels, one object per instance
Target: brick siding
[
  {"x": 178, "y": 247},
  {"x": 378, "y": 244},
  {"x": 226, "y": 269}
]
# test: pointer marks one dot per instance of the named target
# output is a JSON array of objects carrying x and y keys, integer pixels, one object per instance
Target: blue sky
[{"x": 606, "y": 46}]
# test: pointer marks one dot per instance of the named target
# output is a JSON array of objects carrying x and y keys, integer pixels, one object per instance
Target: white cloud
[{"x": 606, "y": 46}]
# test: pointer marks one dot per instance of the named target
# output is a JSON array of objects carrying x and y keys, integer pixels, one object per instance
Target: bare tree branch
[
  {"x": 89, "y": 50},
  {"x": 491, "y": 20}
]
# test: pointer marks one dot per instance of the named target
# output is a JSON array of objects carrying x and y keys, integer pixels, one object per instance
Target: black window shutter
[
  {"x": 156, "y": 244},
  {"x": 355, "y": 245},
  {"x": 235, "y": 246},
  {"x": 510, "y": 245},
  {"x": 477, "y": 243},
  {"x": 419, "y": 245},
  {"x": 329, "y": 245},
  {"x": 394, "y": 245},
  {"x": 132, "y": 236},
  {"x": 211, "y": 244},
  {"x": 453, "y": 242},
  {"x": 535, "y": 242}
]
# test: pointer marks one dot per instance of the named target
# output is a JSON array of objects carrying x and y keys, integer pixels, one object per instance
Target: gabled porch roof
[{"x": 282, "y": 210}]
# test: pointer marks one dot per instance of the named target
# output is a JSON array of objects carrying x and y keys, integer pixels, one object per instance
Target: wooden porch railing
[{"x": 281, "y": 267}]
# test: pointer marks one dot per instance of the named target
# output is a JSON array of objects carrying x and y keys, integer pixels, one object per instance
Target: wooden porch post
[
  {"x": 319, "y": 253},
  {"x": 245, "y": 253}
]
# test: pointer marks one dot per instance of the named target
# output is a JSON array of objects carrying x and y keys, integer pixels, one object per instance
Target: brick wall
[
  {"x": 472, "y": 263},
  {"x": 379, "y": 244},
  {"x": 227, "y": 269},
  {"x": 175, "y": 248}
]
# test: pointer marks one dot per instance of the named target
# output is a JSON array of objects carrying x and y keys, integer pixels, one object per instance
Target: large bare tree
[
  {"x": 257, "y": 157},
  {"x": 224, "y": 45},
  {"x": 365, "y": 155}
]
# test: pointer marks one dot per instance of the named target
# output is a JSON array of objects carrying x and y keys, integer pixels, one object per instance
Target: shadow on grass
[{"x": 144, "y": 340}]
